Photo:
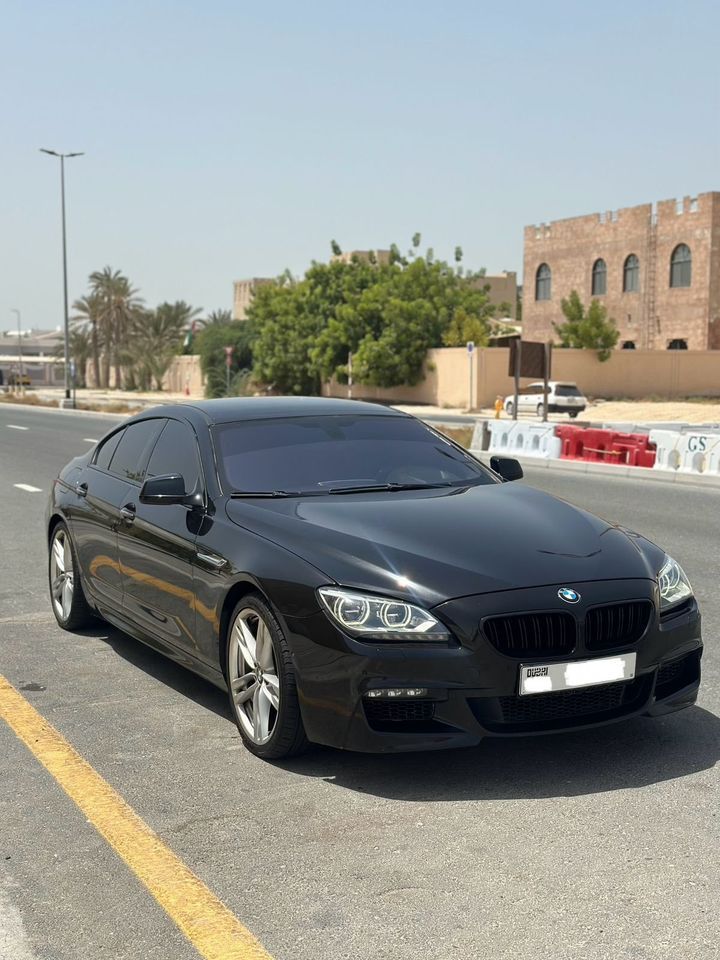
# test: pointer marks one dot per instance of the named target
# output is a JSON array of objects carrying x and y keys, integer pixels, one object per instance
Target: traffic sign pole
[{"x": 470, "y": 350}]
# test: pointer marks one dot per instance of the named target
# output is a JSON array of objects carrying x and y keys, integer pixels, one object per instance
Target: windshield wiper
[
  {"x": 391, "y": 487},
  {"x": 271, "y": 494}
]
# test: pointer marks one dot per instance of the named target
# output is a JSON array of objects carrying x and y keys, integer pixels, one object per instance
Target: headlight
[
  {"x": 674, "y": 585},
  {"x": 381, "y": 618}
]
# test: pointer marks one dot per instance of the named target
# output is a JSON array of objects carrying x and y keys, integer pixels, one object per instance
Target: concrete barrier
[
  {"x": 692, "y": 451},
  {"x": 509, "y": 438}
]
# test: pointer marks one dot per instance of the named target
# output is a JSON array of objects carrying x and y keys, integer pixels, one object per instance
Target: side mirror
[
  {"x": 508, "y": 468},
  {"x": 163, "y": 490}
]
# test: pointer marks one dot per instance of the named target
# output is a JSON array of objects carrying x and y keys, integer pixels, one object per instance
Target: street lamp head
[{"x": 54, "y": 153}]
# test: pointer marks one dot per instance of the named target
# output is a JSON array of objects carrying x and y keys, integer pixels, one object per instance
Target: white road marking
[
  {"x": 27, "y": 488},
  {"x": 13, "y": 426},
  {"x": 89, "y": 440}
]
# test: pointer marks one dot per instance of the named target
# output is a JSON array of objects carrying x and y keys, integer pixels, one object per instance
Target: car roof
[{"x": 229, "y": 409}]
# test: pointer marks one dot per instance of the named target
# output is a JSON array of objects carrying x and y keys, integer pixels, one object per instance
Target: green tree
[
  {"x": 587, "y": 330},
  {"x": 210, "y": 345},
  {"x": 387, "y": 315}
]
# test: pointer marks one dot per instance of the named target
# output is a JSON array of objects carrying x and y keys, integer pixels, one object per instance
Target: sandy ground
[{"x": 607, "y": 411}]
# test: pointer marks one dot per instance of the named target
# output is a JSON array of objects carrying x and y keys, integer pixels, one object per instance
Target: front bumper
[{"x": 473, "y": 688}]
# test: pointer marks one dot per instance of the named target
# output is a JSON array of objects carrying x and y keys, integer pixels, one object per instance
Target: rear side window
[
  {"x": 108, "y": 448},
  {"x": 565, "y": 391},
  {"x": 176, "y": 452},
  {"x": 134, "y": 449}
]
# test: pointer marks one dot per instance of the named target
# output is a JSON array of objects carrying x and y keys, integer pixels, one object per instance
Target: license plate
[{"x": 549, "y": 677}]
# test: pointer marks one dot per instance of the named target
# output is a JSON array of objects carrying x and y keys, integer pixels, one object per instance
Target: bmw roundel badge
[{"x": 568, "y": 595}]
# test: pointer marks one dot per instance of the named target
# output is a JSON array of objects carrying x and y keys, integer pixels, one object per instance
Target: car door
[
  {"x": 156, "y": 544},
  {"x": 93, "y": 515}
]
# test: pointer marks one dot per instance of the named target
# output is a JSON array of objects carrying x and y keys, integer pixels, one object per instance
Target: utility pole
[{"x": 69, "y": 402}]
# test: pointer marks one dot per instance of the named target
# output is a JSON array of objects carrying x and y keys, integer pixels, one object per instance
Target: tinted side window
[
  {"x": 104, "y": 454},
  {"x": 176, "y": 452},
  {"x": 133, "y": 450}
]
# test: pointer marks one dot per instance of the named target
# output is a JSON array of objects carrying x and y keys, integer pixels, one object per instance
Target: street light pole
[
  {"x": 66, "y": 325},
  {"x": 21, "y": 388}
]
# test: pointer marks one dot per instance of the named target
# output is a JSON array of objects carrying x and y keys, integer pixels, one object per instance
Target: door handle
[
  {"x": 128, "y": 512},
  {"x": 81, "y": 489},
  {"x": 211, "y": 559}
]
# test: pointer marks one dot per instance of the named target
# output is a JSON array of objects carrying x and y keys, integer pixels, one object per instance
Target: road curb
[{"x": 607, "y": 469}]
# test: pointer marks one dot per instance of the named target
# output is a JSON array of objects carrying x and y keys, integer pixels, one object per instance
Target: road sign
[{"x": 470, "y": 346}]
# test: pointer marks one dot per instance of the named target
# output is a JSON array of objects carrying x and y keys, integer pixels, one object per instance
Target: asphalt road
[{"x": 600, "y": 845}]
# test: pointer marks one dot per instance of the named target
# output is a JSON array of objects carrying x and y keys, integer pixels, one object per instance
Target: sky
[{"x": 225, "y": 139}]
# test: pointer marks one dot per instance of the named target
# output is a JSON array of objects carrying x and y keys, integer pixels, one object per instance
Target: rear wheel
[
  {"x": 261, "y": 682},
  {"x": 69, "y": 605},
  {"x": 573, "y": 414}
]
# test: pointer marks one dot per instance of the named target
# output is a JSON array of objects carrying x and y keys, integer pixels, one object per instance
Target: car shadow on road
[
  {"x": 157, "y": 665},
  {"x": 623, "y": 756}
]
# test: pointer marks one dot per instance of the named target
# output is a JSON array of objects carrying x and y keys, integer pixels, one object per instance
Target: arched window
[
  {"x": 631, "y": 274},
  {"x": 681, "y": 266},
  {"x": 677, "y": 345},
  {"x": 629, "y": 345},
  {"x": 599, "y": 278},
  {"x": 543, "y": 282}
]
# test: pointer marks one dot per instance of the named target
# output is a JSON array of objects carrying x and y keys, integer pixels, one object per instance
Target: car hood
[{"x": 436, "y": 545}]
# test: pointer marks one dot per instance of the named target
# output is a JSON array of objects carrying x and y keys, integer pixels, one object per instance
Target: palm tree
[
  {"x": 219, "y": 317},
  {"x": 81, "y": 350},
  {"x": 88, "y": 314},
  {"x": 154, "y": 339},
  {"x": 120, "y": 305}
]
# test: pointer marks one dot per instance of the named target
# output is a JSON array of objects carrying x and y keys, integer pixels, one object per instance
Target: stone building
[
  {"x": 656, "y": 268},
  {"x": 243, "y": 292}
]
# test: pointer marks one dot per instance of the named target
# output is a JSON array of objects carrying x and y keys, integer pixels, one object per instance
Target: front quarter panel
[{"x": 251, "y": 562}]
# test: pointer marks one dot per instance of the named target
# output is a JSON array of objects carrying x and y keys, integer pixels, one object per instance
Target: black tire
[
  {"x": 509, "y": 408},
  {"x": 288, "y": 737},
  {"x": 540, "y": 410},
  {"x": 573, "y": 414},
  {"x": 77, "y": 613}
]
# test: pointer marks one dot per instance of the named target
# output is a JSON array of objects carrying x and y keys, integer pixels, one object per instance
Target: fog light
[{"x": 390, "y": 692}]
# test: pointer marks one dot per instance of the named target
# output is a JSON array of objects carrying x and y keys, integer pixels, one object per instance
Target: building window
[
  {"x": 631, "y": 274},
  {"x": 599, "y": 278},
  {"x": 681, "y": 266},
  {"x": 677, "y": 345},
  {"x": 628, "y": 345},
  {"x": 543, "y": 282}
]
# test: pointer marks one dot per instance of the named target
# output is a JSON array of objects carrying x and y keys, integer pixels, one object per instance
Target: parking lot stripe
[
  {"x": 208, "y": 924},
  {"x": 14, "y": 426},
  {"x": 28, "y": 488}
]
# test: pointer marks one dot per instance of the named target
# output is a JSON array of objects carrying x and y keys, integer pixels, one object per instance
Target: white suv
[{"x": 562, "y": 398}]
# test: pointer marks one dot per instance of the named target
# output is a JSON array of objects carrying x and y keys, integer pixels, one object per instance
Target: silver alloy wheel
[
  {"x": 253, "y": 676},
  {"x": 61, "y": 574}
]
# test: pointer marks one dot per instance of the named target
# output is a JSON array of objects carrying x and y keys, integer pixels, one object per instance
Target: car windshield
[
  {"x": 339, "y": 454},
  {"x": 565, "y": 390}
]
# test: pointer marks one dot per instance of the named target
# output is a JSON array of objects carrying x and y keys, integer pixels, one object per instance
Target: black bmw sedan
[{"x": 354, "y": 578}]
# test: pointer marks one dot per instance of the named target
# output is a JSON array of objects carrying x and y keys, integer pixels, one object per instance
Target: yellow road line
[{"x": 212, "y": 929}]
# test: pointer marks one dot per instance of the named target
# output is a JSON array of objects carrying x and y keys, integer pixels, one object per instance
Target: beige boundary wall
[{"x": 627, "y": 374}]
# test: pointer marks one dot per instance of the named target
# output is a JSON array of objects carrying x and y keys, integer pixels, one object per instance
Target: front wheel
[
  {"x": 510, "y": 408},
  {"x": 540, "y": 410},
  {"x": 573, "y": 414},
  {"x": 69, "y": 605},
  {"x": 261, "y": 682}
]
